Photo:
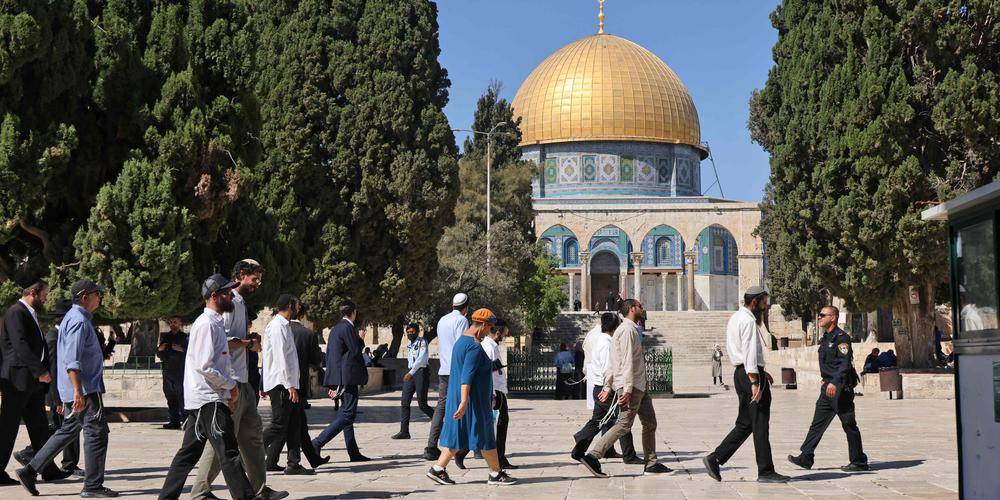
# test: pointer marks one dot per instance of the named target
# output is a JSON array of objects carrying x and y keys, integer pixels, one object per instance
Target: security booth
[{"x": 973, "y": 239}]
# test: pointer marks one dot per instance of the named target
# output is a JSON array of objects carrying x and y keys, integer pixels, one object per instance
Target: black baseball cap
[
  {"x": 83, "y": 287},
  {"x": 216, "y": 283}
]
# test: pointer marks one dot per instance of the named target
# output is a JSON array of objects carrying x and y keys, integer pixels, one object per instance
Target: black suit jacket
[
  {"x": 309, "y": 354},
  {"x": 51, "y": 341},
  {"x": 23, "y": 349},
  {"x": 344, "y": 363}
]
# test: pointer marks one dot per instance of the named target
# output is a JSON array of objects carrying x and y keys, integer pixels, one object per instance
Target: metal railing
[{"x": 531, "y": 372}]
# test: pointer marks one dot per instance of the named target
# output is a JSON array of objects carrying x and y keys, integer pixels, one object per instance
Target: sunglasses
[{"x": 823, "y": 315}]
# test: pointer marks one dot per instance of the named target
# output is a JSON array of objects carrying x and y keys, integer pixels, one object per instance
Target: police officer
[{"x": 836, "y": 394}]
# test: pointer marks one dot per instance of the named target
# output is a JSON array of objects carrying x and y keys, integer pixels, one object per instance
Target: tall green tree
[
  {"x": 151, "y": 234},
  {"x": 359, "y": 166},
  {"x": 872, "y": 112}
]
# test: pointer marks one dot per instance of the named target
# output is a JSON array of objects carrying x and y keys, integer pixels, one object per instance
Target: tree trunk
[
  {"x": 398, "y": 329},
  {"x": 914, "y": 337}
]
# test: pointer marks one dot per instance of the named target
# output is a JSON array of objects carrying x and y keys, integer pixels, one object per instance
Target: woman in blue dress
[{"x": 470, "y": 403}]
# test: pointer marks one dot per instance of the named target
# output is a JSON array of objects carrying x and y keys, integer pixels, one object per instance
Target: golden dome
[{"x": 603, "y": 88}]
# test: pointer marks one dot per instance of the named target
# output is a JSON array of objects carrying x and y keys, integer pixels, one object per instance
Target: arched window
[
  {"x": 551, "y": 247},
  {"x": 571, "y": 252},
  {"x": 664, "y": 252}
]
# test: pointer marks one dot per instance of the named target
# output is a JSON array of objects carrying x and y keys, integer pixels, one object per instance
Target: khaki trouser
[
  {"x": 249, "y": 436},
  {"x": 639, "y": 404}
]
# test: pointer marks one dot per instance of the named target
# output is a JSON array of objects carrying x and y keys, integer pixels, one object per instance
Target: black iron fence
[{"x": 531, "y": 372}]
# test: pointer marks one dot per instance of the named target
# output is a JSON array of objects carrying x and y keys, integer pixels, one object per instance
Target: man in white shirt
[
  {"x": 597, "y": 346},
  {"x": 210, "y": 394},
  {"x": 281, "y": 384},
  {"x": 416, "y": 381},
  {"x": 491, "y": 344},
  {"x": 745, "y": 346},
  {"x": 449, "y": 328},
  {"x": 247, "y": 275}
]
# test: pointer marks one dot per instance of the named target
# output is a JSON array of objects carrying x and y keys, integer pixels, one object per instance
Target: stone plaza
[{"x": 910, "y": 442}]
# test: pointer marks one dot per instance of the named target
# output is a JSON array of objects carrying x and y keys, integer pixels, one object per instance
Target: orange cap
[{"x": 484, "y": 316}]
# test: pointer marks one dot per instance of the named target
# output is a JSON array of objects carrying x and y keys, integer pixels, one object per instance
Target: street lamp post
[{"x": 489, "y": 159}]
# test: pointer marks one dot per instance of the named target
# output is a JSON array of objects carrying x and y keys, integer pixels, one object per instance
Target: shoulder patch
[{"x": 844, "y": 348}]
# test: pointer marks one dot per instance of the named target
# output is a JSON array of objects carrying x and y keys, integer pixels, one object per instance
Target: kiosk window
[{"x": 977, "y": 281}]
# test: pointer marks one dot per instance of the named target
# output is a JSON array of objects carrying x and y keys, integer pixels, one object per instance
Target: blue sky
[{"x": 720, "y": 49}]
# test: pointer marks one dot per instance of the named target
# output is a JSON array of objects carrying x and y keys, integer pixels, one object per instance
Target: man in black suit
[
  {"x": 310, "y": 355},
  {"x": 172, "y": 350},
  {"x": 24, "y": 378},
  {"x": 345, "y": 368}
]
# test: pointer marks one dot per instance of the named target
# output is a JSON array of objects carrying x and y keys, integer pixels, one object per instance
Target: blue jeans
[{"x": 344, "y": 422}]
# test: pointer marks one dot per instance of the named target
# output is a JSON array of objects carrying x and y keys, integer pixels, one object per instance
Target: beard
[
  {"x": 411, "y": 337},
  {"x": 227, "y": 306}
]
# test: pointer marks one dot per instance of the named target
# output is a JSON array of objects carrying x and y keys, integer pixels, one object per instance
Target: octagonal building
[{"x": 618, "y": 196}]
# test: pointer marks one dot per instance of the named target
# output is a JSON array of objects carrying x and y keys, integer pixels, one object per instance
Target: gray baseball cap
[{"x": 215, "y": 283}]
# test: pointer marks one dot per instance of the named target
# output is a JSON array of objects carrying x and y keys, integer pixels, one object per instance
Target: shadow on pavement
[
  {"x": 897, "y": 464},
  {"x": 826, "y": 476}
]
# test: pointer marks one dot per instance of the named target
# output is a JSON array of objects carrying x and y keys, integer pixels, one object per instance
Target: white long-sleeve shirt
[
  {"x": 449, "y": 328},
  {"x": 281, "y": 361},
  {"x": 600, "y": 353},
  {"x": 417, "y": 355},
  {"x": 499, "y": 376},
  {"x": 207, "y": 369},
  {"x": 235, "y": 323},
  {"x": 744, "y": 342}
]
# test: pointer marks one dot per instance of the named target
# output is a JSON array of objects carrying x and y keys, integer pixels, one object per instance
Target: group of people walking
[
  {"x": 617, "y": 371},
  {"x": 208, "y": 384}
]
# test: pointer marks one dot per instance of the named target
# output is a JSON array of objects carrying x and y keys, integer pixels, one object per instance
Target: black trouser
[
  {"x": 286, "y": 426},
  {"x": 754, "y": 418},
  {"x": 562, "y": 388},
  {"x": 419, "y": 385},
  {"x": 589, "y": 431},
  {"x": 92, "y": 422},
  {"x": 312, "y": 455},
  {"x": 213, "y": 423},
  {"x": 16, "y": 406},
  {"x": 173, "y": 390},
  {"x": 580, "y": 389},
  {"x": 437, "y": 421},
  {"x": 503, "y": 419},
  {"x": 825, "y": 410}
]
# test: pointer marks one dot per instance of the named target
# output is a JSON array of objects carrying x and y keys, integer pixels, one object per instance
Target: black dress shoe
[
  {"x": 24, "y": 456},
  {"x": 612, "y": 454},
  {"x": 321, "y": 461},
  {"x": 360, "y": 458},
  {"x": 53, "y": 473},
  {"x": 801, "y": 461},
  {"x": 274, "y": 468},
  {"x": 172, "y": 425},
  {"x": 27, "y": 477},
  {"x": 852, "y": 467},
  {"x": 401, "y": 435},
  {"x": 712, "y": 467},
  {"x": 298, "y": 470},
  {"x": 593, "y": 465},
  {"x": 460, "y": 460},
  {"x": 772, "y": 477},
  {"x": 270, "y": 494},
  {"x": 507, "y": 465},
  {"x": 6, "y": 480},
  {"x": 633, "y": 461},
  {"x": 99, "y": 493}
]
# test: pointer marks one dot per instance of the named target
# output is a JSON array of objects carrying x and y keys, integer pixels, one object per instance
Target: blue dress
[{"x": 474, "y": 431}]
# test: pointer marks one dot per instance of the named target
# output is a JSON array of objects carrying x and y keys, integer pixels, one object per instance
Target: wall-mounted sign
[{"x": 914, "y": 296}]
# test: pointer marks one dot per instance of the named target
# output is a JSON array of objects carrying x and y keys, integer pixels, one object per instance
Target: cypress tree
[{"x": 871, "y": 113}]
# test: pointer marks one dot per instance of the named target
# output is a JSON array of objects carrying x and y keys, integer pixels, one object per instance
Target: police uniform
[{"x": 837, "y": 368}]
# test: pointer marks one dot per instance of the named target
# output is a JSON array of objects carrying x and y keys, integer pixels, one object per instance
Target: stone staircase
[{"x": 689, "y": 334}]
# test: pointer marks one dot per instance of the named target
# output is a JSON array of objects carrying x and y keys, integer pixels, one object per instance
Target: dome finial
[{"x": 600, "y": 18}]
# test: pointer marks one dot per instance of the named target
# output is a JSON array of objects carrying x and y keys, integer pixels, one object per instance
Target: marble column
[
  {"x": 571, "y": 298},
  {"x": 679, "y": 287},
  {"x": 663, "y": 291},
  {"x": 585, "y": 280},
  {"x": 689, "y": 262},
  {"x": 637, "y": 280}
]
